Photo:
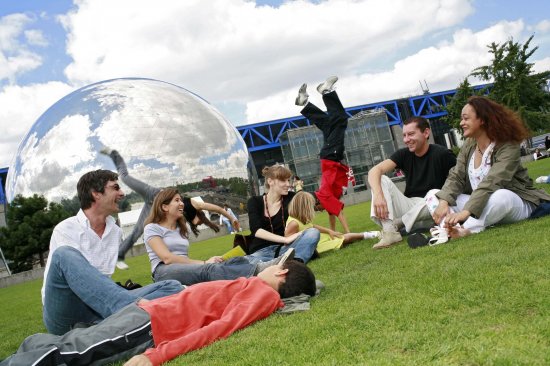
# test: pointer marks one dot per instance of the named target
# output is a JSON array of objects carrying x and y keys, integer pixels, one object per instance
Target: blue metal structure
[
  {"x": 3, "y": 176},
  {"x": 265, "y": 135}
]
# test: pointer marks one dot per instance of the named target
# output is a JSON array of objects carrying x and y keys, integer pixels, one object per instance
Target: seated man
[
  {"x": 83, "y": 254},
  {"x": 425, "y": 166},
  {"x": 162, "y": 329}
]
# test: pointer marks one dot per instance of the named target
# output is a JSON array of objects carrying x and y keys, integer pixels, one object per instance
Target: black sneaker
[{"x": 417, "y": 240}]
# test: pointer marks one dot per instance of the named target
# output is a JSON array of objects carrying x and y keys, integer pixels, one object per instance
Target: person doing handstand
[{"x": 333, "y": 125}]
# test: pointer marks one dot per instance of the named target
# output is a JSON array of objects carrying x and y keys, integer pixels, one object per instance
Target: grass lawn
[{"x": 480, "y": 300}]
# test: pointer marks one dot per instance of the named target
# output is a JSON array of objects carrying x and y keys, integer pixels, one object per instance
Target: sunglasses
[{"x": 115, "y": 186}]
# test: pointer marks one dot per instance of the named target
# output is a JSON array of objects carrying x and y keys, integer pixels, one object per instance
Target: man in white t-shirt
[{"x": 83, "y": 253}]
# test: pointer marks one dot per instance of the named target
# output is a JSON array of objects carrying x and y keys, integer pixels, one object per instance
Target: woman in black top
[{"x": 267, "y": 215}]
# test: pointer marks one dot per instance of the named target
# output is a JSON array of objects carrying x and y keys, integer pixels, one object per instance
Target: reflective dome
[{"x": 166, "y": 134}]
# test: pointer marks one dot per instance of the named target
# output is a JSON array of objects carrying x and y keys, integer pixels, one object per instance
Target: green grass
[{"x": 480, "y": 300}]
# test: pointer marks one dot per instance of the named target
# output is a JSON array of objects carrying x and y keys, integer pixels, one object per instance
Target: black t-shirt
[
  {"x": 258, "y": 220},
  {"x": 426, "y": 172}
]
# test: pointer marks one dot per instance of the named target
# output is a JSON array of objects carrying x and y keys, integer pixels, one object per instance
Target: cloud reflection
[{"x": 166, "y": 134}]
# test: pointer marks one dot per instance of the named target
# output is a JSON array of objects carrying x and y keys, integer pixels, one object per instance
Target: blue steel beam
[{"x": 265, "y": 135}]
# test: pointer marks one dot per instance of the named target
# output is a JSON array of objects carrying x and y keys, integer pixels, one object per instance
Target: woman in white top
[{"x": 488, "y": 185}]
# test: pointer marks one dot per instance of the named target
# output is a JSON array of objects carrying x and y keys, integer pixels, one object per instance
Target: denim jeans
[
  {"x": 189, "y": 274},
  {"x": 228, "y": 225},
  {"x": 304, "y": 247},
  {"x": 76, "y": 292}
]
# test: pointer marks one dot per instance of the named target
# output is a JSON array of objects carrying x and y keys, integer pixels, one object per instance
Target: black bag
[
  {"x": 243, "y": 241},
  {"x": 129, "y": 285}
]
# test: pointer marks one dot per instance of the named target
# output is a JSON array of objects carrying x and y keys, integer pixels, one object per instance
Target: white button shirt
[{"x": 102, "y": 253}]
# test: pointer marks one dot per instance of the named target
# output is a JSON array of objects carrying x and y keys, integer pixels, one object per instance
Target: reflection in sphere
[{"x": 166, "y": 134}]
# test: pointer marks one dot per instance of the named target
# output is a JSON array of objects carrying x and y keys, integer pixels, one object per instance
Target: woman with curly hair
[{"x": 488, "y": 185}]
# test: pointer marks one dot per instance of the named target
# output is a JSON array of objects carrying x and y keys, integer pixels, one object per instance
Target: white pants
[
  {"x": 503, "y": 207},
  {"x": 412, "y": 210}
]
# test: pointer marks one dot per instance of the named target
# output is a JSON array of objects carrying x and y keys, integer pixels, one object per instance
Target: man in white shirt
[{"x": 83, "y": 253}]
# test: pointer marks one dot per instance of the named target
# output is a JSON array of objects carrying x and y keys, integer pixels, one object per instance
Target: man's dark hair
[
  {"x": 421, "y": 122},
  {"x": 94, "y": 181},
  {"x": 299, "y": 280}
]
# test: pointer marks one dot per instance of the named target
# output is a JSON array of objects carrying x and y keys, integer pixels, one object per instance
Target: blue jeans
[
  {"x": 228, "y": 226},
  {"x": 76, "y": 292},
  {"x": 304, "y": 247},
  {"x": 189, "y": 274}
]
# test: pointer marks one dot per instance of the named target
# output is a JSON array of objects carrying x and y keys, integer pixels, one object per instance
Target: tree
[
  {"x": 455, "y": 105},
  {"x": 71, "y": 205},
  {"x": 30, "y": 222},
  {"x": 514, "y": 83}
]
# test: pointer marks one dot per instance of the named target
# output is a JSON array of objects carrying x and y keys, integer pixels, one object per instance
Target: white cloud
[
  {"x": 15, "y": 58},
  {"x": 543, "y": 26},
  {"x": 231, "y": 50},
  {"x": 36, "y": 38},
  {"x": 542, "y": 65},
  {"x": 442, "y": 67},
  {"x": 21, "y": 106}
]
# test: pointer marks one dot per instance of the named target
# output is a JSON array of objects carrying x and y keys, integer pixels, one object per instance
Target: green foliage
[
  {"x": 71, "y": 205},
  {"x": 514, "y": 83},
  {"x": 30, "y": 222},
  {"x": 457, "y": 102}
]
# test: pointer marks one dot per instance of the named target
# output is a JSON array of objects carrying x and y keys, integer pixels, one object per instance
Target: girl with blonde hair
[
  {"x": 301, "y": 214},
  {"x": 267, "y": 215}
]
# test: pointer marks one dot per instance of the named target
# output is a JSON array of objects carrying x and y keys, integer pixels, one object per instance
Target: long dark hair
[
  {"x": 501, "y": 123},
  {"x": 156, "y": 215},
  {"x": 202, "y": 220}
]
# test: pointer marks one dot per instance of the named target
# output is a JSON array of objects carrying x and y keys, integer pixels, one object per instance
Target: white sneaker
[
  {"x": 327, "y": 86},
  {"x": 542, "y": 179},
  {"x": 121, "y": 265},
  {"x": 302, "y": 97},
  {"x": 371, "y": 235},
  {"x": 439, "y": 236}
]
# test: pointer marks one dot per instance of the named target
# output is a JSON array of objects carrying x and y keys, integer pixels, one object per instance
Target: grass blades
[{"x": 479, "y": 300}]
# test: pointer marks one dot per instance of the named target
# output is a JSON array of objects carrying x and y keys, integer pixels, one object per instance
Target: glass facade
[{"x": 368, "y": 141}]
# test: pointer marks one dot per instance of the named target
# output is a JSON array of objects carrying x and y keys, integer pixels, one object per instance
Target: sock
[
  {"x": 371, "y": 234},
  {"x": 387, "y": 225}
]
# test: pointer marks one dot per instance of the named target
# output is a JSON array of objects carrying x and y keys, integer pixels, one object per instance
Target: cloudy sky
[{"x": 247, "y": 57}]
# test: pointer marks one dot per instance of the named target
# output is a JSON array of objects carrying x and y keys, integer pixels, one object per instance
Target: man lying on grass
[{"x": 162, "y": 329}]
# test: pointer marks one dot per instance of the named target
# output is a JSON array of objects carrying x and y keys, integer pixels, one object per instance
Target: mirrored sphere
[{"x": 167, "y": 135}]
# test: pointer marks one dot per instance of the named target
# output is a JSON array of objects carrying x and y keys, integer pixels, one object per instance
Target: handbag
[{"x": 243, "y": 241}]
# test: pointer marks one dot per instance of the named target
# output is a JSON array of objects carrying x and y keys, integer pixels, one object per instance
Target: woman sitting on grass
[
  {"x": 488, "y": 185},
  {"x": 165, "y": 237},
  {"x": 301, "y": 214}
]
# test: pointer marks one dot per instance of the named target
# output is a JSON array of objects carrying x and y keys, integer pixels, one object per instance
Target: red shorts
[{"x": 333, "y": 179}]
